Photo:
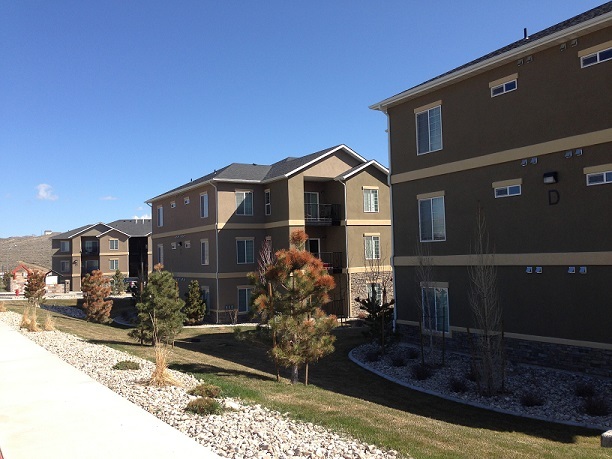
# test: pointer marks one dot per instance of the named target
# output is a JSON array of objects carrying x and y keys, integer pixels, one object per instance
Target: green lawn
[{"x": 348, "y": 399}]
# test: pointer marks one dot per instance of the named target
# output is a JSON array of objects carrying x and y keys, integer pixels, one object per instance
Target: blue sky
[{"x": 95, "y": 96}]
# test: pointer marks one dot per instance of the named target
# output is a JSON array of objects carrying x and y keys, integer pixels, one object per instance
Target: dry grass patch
[
  {"x": 161, "y": 376},
  {"x": 2, "y": 307},
  {"x": 29, "y": 320},
  {"x": 49, "y": 323}
]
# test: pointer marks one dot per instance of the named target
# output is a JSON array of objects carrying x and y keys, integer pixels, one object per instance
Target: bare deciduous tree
[
  {"x": 487, "y": 311},
  {"x": 424, "y": 273}
]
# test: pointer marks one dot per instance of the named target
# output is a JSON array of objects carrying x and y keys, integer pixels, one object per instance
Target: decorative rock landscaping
[{"x": 242, "y": 431}]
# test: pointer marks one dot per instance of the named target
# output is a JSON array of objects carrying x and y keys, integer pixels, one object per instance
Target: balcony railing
[
  {"x": 331, "y": 260},
  {"x": 322, "y": 214},
  {"x": 335, "y": 307}
]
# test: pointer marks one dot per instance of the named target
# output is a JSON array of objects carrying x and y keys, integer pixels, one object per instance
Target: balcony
[
  {"x": 331, "y": 260},
  {"x": 322, "y": 214}
]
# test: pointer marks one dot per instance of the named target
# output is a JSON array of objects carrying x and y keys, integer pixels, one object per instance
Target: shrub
[
  {"x": 29, "y": 320},
  {"x": 457, "y": 385},
  {"x": 373, "y": 356},
  {"x": 413, "y": 353},
  {"x": 126, "y": 365},
  {"x": 421, "y": 372},
  {"x": 96, "y": 287},
  {"x": 161, "y": 376},
  {"x": 596, "y": 406},
  {"x": 48, "y": 324},
  {"x": 398, "y": 360},
  {"x": 529, "y": 399},
  {"x": 204, "y": 406},
  {"x": 584, "y": 389},
  {"x": 206, "y": 390}
]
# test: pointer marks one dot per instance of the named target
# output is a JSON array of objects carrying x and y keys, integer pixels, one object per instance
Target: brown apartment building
[
  {"x": 525, "y": 134},
  {"x": 211, "y": 229},
  {"x": 122, "y": 244}
]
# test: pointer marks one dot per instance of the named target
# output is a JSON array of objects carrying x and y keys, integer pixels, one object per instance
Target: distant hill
[{"x": 30, "y": 249}]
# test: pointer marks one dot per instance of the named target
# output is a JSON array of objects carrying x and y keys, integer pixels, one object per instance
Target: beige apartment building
[
  {"x": 122, "y": 244},
  {"x": 212, "y": 228}
]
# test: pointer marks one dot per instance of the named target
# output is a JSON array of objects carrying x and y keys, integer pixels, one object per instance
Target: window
[
  {"x": 244, "y": 203},
  {"x": 91, "y": 265},
  {"x": 64, "y": 246},
  {"x": 506, "y": 191},
  {"x": 599, "y": 178},
  {"x": 186, "y": 200},
  {"x": 503, "y": 88},
  {"x": 596, "y": 58},
  {"x": 244, "y": 251},
  {"x": 91, "y": 247},
  {"x": 244, "y": 298},
  {"x": 65, "y": 266},
  {"x": 160, "y": 216},
  {"x": 370, "y": 200},
  {"x": 204, "y": 205},
  {"x": 268, "y": 204},
  {"x": 375, "y": 291},
  {"x": 172, "y": 204},
  {"x": 435, "y": 309},
  {"x": 372, "y": 247},
  {"x": 432, "y": 223},
  {"x": 113, "y": 244},
  {"x": 429, "y": 130},
  {"x": 113, "y": 264},
  {"x": 160, "y": 253},
  {"x": 204, "y": 251}
]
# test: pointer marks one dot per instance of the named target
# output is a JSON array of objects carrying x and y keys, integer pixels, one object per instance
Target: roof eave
[
  {"x": 480, "y": 67},
  {"x": 325, "y": 155}
]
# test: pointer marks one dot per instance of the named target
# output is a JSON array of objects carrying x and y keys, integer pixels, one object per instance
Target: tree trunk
[
  {"x": 306, "y": 374},
  {"x": 294, "y": 374}
]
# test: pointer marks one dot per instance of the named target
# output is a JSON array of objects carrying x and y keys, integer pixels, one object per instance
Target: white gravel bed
[
  {"x": 242, "y": 431},
  {"x": 555, "y": 388}
]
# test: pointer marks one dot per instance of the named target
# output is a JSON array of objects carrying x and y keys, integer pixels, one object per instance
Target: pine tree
[
  {"x": 118, "y": 282},
  {"x": 195, "y": 308},
  {"x": 160, "y": 316},
  {"x": 96, "y": 288},
  {"x": 379, "y": 317},
  {"x": 294, "y": 287},
  {"x": 34, "y": 289}
]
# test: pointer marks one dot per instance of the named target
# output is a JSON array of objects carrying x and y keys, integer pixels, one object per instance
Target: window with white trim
[
  {"x": 113, "y": 264},
  {"x": 160, "y": 253},
  {"x": 64, "y": 246},
  {"x": 429, "y": 130},
  {"x": 507, "y": 191},
  {"x": 596, "y": 58},
  {"x": 375, "y": 291},
  {"x": 204, "y": 205},
  {"x": 245, "y": 251},
  {"x": 599, "y": 178},
  {"x": 244, "y": 203},
  {"x": 432, "y": 221},
  {"x": 503, "y": 88},
  {"x": 435, "y": 309},
  {"x": 370, "y": 200},
  {"x": 204, "y": 251},
  {"x": 65, "y": 266},
  {"x": 267, "y": 203},
  {"x": 244, "y": 298},
  {"x": 160, "y": 216},
  {"x": 372, "y": 247},
  {"x": 113, "y": 244}
]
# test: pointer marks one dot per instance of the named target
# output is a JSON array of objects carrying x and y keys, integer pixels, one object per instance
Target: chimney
[{"x": 525, "y": 36}]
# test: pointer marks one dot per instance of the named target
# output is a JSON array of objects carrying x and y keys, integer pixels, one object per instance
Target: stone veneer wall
[
  {"x": 564, "y": 357},
  {"x": 358, "y": 288}
]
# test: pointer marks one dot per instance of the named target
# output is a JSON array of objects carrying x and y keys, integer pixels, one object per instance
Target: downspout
[
  {"x": 392, "y": 257},
  {"x": 216, "y": 248},
  {"x": 346, "y": 254}
]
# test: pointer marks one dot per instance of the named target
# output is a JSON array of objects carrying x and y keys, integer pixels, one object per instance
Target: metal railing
[
  {"x": 322, "y": 214},
  {"x": 331, "y": 260}
]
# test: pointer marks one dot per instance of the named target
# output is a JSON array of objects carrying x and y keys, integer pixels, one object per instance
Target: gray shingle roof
[
  {"x": 255, "y": 172},
  {"x": 576, "y": 20},
  {"x": 133, "y": 227},
  {"x": 70, "y": 234}
]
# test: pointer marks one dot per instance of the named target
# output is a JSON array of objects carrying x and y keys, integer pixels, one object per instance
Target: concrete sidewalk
[{"x": 50, "y": 410}]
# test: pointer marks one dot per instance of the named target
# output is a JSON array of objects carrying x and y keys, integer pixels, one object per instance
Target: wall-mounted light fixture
[
  {"x": 529, "y": 269},
  {"x": 523, "y": 162},
  {"x": 583, "y": 270},
  {"x": 75, "y": 262},
  {"x": 571, "y": 270},
  {"x": 568, "y": 154},
  {"x": 578, "y": 151},
  {"x": 550, "y": 177},
  {"x": 538, "y": 270}
]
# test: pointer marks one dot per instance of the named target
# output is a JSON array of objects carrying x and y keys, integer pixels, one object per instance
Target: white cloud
[
  {"x": 108, "y": 198},
  {"x": 45, "y": 192}
]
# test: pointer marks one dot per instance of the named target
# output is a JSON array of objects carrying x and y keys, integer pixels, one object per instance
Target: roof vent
[{"x": 525, "y": 36}]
